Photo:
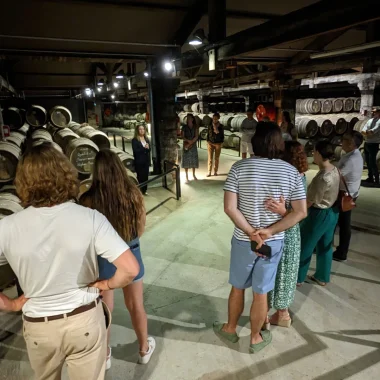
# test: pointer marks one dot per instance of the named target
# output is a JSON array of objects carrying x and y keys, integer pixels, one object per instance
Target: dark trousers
[
  {"x": 371, "y": 150},
  {"x": 142, "y": 172},
  {"x": 344, "y": 223}
]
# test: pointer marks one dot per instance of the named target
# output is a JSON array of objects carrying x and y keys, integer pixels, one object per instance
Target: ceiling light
[
  {"x": 115, "y": 84},
  {"x": 129, "y": 84},
  {"x": 99, "y": 89},
  {"x": 195, "y": 42},
  {"x": 198, "y": 38},
  {"x": 146, "y": 74},
  {"x": 88, "y": 91},
  {"x": 168, "y": 66},
  {"x": 120, "y": 74},
  {"x": 101, "y": 82},
  {"x": 112, "y": 96}
]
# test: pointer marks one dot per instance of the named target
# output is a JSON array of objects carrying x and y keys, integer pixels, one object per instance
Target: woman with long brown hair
[
  {"x": 141, "y": 153},
  {"x": 114, "y": 195}
]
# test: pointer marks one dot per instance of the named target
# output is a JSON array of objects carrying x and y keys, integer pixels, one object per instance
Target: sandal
[
  {"x": 283, "y": 321},
  {"x": 267, "y": 338},
  {"x": 320, "y": 283},
  {"x": 218, "y": 328}
]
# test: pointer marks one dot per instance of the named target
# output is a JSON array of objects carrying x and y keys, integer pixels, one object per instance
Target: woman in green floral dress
[{"x": 282, "y": 296}]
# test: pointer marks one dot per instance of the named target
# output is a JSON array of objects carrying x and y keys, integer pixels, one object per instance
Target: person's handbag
[{"x": 346, "y": 202}]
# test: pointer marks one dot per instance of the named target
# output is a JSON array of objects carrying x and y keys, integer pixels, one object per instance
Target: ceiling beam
[
  {"x": 319, "y": 43},
  {"x": 216, "y": 20},
  {"x": 190, "y": 21},
  {"x": 322, "y": 17}
]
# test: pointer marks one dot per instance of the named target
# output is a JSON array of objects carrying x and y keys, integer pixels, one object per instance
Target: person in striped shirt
[{"x": 250, "y": 183}]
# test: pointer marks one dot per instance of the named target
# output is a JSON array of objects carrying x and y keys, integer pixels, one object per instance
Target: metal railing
[{"x": 123, "y": 140}]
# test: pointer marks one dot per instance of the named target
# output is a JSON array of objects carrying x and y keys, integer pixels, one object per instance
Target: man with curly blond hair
[{"x": 52, "y": 247}]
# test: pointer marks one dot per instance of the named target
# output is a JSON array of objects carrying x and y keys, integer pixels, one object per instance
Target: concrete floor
[{"x": 336, "y": 330}]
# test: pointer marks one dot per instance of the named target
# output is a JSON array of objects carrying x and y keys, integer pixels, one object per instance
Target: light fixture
[
  {"x": 99, "y": 89},
  {"x": 112, "y": 96},
  {"x": 115, "y": 84},
  {"x": 101, "y": 82},
  {"x": 129, "y": 84},
  {"x": 88, "y": 91},
  {"x": 120, "y": 74},
  {"x": 146, "y": 74},
  {"x": 168, "y": 66},
  {"x": 198, "y": 38}
]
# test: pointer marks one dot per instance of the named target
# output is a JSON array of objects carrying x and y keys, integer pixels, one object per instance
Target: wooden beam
[
  {"x": 320, "y": 18},
  {"x": 216, "y": 20},
  {"x": 319, "y": 43}
]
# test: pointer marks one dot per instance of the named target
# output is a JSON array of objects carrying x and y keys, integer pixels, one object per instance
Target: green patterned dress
[{"x": 282, "y": 296}]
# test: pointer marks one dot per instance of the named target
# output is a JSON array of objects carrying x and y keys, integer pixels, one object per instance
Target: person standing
[
  {"x": 52, "y": 247},
  {"x": 190, "y": 150},
  {"x": 249, "y": 184},
  {"x": 371, "y": 131},
  {"x": 141, "y": 154},
  {"x": 215, "y": 139},
  {"x": 248, "y": 129},
  {"x": 282, "y": 295},
  {"x": 351, "y": 168},
  {"x": 289, "y": 131},
  {"x": 317, "y": 230},
  {"x": 114, "y": 195}
]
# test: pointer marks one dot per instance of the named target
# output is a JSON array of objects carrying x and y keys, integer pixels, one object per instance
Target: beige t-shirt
[
  {"x": 324, "y": 189},
  {"x": 53, "y": 252}
]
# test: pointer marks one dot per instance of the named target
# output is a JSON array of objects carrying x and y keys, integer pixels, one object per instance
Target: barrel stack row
[
  {"x": 130, "y": 121},
  {"x": 329, "y": 105},
  {"x": 221, "y": 107}
]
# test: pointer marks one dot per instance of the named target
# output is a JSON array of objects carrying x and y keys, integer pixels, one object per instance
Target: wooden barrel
[
  {"x": 60, "y": 116},
  {"x": 198, "y": 120},
  {"x": 127, "y": 161},
  {"x": 81, "y": 153},
  {"x": 183, "y": 118},
  {"x": 74, "y": 126},
  {"x": 139, "y": 117},
  {"x": 337, "y": 105},
  {"x": 24, "y": 129},
  {"x": 64, "y": 136},
  {"x": 325, "y": 125},
  {"x": 13, "y": 117},
  {"x": 98, "y": 137},
  {"x": 336, "y": 140},
  {"x": 360, "y": 125},
  {"x": 9, "y": 189},
  {"x": 340, "y": 124},
  {"x": 327, "y": 106},
  {"x": 352, "y": 119},
  {"x": 348, "y": 104},
  {"x": 206, "y": 119},
  {"x": 83, "y": 129},
  {"x": 36, "y": 116},
  {"x": 312, "y": 106},
  {"x": 226, "y": 120},
  {"x": 9, "y": 204},
  {"x": 203, "y": 133},
  {"x": 338, "y": 152},
  {"x": 306, "y": 127},
  {"x": 234, "y": 140},
  {"x": 357, "y": 104},
  {"x": 16, "y": 138},
  {"x": 187, "y": 108},
  {"x": 308, "y": 146},
  {"x": 195, "y": 107},
  {"x": 42, "y": 134},
  {"x": 55, "y": 145},
  {"x": 227, "y": 134},
  {"x": 236, "y": 122},
  {"x": 9, "y": 156}
]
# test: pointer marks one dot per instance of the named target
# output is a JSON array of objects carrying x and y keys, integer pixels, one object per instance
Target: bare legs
[
  {"x": 235, "y": 309},
  {"x": 134, "y": 301},
  {"x": 194, "y": 174},
  {"x": 187, "y": 174},
  {"x": 259, "y": 310}
]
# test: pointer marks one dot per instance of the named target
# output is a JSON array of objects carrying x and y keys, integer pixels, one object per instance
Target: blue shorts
[
  {"x": 107, "y": 269},
  {"x": 249, "y": 270}
]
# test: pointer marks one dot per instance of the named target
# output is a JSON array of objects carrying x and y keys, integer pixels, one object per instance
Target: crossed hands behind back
[{"x": 262, "y": 234}]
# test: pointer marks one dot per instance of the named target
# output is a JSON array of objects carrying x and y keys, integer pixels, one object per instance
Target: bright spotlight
[
  {"x": 115, "y": 84},
  {"x": 99, "y": 89},
  {"x": 112, "y": 96},
  {"x": 195, "y": 42},
  {"x": 120, "y": 74},
  {"x": 146, "y": 74},
  {"x": 168, "y": 66},
  {"x": 101, "y": 82},
  {"x": 88, "y": 91}
]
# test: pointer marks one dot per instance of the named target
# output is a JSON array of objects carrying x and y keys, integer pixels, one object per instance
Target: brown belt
[{"x": 78, "y": 310}]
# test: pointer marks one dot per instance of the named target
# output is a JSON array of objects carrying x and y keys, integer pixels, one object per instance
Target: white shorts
[{"x": 246, "y": 147}]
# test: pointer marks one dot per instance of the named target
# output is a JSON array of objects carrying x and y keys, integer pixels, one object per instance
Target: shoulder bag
[{"x": 346, "y": 202}]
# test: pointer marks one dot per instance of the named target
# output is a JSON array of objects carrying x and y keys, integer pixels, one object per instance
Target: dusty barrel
[
  {"x": 16, "y": 138},
  {"x": 187, "y": 108},
  {"x": 227, "y": 134},
  {"x": 9, "y": 204},
  {"x": 198, "y": 120},
  {"x": 139, "y": 117},
  {"x": 306, "y": 127},
  {"x": 42, "y": 134},
  {"x": 13, "y": 117},
  {"x": 337, "y": 105},
  {"x": 357, "y": 104},
  {"x": 64, "y": 136},
  {"x": 327, "y": 106},
  {"x": 236, "y": 122},
  {"x": 125, "y": 158},
  {"x": 24, "y": 129},
  {"x": 60, "y": 116},
  {"x": 183, "y": 118},
  {"x": 203, "y": 133},
  {"x": 195, "y": 107},
  {"x": 338, "y": 152},
  {"x": 36, "y": 116},
  {"x": 81, "y": 153},
  {"x": 312, "y": 106},
  {"x": 206, "y": 119},
  {"x": 336, "y": 140},
  {"x": 308, "y": 146},
  {"x": 97, "y": 137},
  {"x": 325, "y": 125},
  {"x": 9, "y": 189},
  {"x": 360, "y": 125},
  {"x": 234, "y": 140},
  {"x": 340, "y": 124},
  {"x": 74, "y": 126},
  {"x": 55, "y": 145},
  {"x": 9, "y": 156},
  {"x": 352, "y": 119},
  {"x": 348, "y": 104},
  {"x": 226, "y": 120}
]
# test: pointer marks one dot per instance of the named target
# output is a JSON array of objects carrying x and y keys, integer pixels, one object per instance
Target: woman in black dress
[{"x": 141, "y": 153}]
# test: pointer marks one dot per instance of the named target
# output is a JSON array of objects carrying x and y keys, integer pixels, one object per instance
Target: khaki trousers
[
  {"x": 80, "y": 341},
  {"x": 211, "y": 147}
]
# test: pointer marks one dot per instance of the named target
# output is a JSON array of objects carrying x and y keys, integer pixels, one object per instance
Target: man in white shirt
[
  {"x": 371, "y": 131},
  {"x": 52, "y": 247},
  {"x": 248, "y": 128},
  {"x": 249, "y": 185},
  {"x": 351, "y": 168}
]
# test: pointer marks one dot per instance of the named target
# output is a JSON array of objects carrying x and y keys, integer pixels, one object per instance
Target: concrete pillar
[
  {"x": 163, "y": 119},
  {"x": 246, "y": 101},
  {"x": 367, "y": 88}
]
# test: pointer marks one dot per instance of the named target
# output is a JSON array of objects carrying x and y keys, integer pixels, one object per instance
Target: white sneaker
[
  {"x": 152, "y": 346},
  {"x": 108, "y": 360}
]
